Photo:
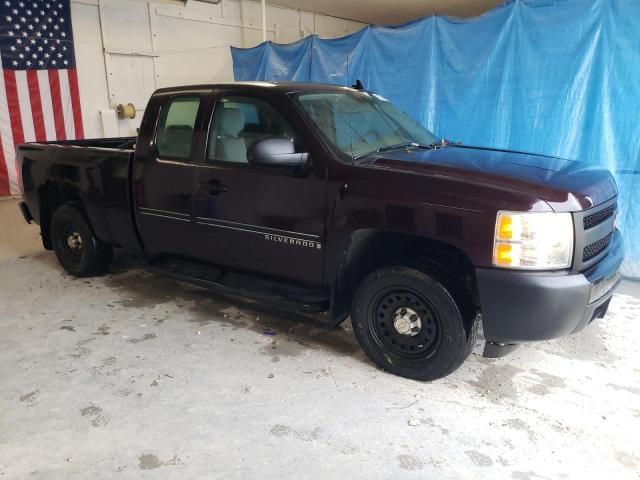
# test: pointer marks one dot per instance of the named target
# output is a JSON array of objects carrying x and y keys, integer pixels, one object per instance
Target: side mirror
[{"x": 276, "y": 152}]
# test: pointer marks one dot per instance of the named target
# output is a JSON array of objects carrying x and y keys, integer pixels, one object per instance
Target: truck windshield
[{"x": 361, "y": 123}]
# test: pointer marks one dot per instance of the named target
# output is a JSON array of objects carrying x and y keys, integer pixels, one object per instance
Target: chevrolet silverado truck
[{"x": 330, "y": 201}]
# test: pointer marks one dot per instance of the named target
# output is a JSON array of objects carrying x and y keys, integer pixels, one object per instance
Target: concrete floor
[{"x": 133, "y": 376}]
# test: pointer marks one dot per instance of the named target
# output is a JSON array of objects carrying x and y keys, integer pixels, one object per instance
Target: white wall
[{"x": 125, "y": 49}]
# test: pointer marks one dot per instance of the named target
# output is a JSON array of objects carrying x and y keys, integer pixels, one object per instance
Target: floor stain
[
  {"x": 409, "y": 462},
  {"x": 94, "y": 412},
  {"x": 68, "y": 327},
  {"x": 30, "y": 397},
  {"x": 548, "y": 382},
  {"x": 281, "y": 431},
  {"x": 519, "y": 424},
  {"x": 102, "y": 330},
  {"x": 144, "y": 338},
  {"x": 530, "y": 475},
  {"x": 496, "y": 382},
  {"x": 430, "y": 422},
  {"x": 149, "y": 461},
  {"x": 627, "y": 459},
  {"x": 633, "y": 390},
  {"x": 479, "y": 459}
]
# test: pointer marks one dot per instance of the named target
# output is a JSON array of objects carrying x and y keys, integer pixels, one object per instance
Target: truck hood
[{"x": 566, "y": 185}]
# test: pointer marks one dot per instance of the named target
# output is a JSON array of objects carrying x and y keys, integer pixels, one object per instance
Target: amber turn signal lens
[
  {"x": 503, "y": 254},
  {"x": 505, "y": 227}
]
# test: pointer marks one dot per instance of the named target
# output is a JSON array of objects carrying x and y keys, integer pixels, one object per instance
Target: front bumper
[{"x": 520, "y": 306}]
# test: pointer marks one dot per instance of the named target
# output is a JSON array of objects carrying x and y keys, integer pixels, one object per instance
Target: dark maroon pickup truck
[{"x": 330, "y": 201}]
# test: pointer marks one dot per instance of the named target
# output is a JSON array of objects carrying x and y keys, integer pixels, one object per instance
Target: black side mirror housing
[{"x": 276, "y": 152}]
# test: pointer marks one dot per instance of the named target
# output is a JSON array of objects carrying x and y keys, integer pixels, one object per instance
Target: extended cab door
[
  {"x": 264, "y": 219},
  {"x": 164, "y": 170}
]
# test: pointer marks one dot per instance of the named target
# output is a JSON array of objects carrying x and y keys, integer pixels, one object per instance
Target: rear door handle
[{"x": 214, "y": 187}]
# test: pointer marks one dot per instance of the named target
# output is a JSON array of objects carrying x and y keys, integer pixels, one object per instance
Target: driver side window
[{"x": 238, "y": 123}]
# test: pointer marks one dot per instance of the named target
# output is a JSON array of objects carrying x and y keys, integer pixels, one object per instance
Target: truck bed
[{"x": 96, "y": 170}]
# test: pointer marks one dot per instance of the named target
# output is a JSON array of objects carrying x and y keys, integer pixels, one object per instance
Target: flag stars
[
  {"x": 66, "y": 62},
  {"x": 53, "y": 62},
  {"x": 8, "y": 18},
  {"x": 41, "y": 63}
]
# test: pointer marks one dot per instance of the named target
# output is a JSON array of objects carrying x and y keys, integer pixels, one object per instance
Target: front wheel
[
  {"x": 409, "y": 323},
  {"x": 78, "y": 250}
]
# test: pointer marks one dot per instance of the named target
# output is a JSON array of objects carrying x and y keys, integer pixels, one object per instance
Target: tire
[
  {"x": 78, "y": 250},
  {"x": 410, "y": 324}
]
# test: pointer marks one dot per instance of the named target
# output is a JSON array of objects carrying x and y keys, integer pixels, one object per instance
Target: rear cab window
[{"x": 174, "y": 136}]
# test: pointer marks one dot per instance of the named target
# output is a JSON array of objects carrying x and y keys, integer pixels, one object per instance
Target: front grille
[
  {"x": 593, "y": 249},
  {"x": 597, "y": 218}
]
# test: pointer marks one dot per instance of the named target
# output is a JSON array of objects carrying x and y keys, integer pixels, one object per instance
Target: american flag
[{"x": 39, "y": 96}]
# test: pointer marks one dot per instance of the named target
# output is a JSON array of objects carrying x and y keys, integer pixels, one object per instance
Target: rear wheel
[
  {"x": 411, "y": 325},
  {"x": 78, "y": 250}
]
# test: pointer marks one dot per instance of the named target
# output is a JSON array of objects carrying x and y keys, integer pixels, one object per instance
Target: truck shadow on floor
[{"x": 141, "y": 289}]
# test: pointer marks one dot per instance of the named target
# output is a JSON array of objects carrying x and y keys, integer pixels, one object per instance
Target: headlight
[{"x": 535, "y": 240}]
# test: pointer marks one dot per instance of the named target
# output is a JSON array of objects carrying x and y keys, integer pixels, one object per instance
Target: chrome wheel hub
[
  {"x": 74, "y": 241},
  {"x": 406, "y": 321}
]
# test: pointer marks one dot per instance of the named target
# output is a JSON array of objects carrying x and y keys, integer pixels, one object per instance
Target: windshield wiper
[{"x": 396, "y": 146}]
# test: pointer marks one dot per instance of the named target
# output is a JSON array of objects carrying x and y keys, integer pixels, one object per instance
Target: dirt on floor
[{"x": 132, "y": 375}]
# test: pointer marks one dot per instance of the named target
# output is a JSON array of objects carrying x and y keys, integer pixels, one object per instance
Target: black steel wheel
[
  {"x": 78, "y": 250},
  {"x": 404, "y": 322},
  {"x": 410, "y": 324}
]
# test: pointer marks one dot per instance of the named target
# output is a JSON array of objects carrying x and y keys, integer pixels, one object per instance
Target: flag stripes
[
  {"x": 39, "y": 94},
  {"x": 40, "y": 105}
]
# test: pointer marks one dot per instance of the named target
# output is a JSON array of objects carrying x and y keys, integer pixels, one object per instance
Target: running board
[{"x": 241, "y": 285}]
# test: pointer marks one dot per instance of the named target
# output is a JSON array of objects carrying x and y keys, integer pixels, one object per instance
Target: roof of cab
[{"x": 284, "y": 87}]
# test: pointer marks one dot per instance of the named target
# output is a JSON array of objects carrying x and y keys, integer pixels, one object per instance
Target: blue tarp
[{"x": 560, "y": 77}]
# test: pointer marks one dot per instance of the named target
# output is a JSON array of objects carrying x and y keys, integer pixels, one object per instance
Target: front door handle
[{"x": 214, "y": 187}]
